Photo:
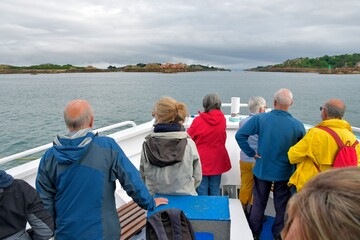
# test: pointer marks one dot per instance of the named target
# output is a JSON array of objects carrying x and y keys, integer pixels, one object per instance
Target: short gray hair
[
  {"x": 211, "y": 101},
  {"x": 334, "y": 111},
  {"x": 82, "y": 119},
  {"x": 284, "y": 97},
  {"x": 255, "y": 103}
]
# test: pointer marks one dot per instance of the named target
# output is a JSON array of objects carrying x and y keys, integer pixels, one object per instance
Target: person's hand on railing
[{"x": 161, "y": 201}]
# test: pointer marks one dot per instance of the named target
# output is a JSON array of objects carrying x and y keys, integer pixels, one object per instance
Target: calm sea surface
[{"x": 31, "y": 106}]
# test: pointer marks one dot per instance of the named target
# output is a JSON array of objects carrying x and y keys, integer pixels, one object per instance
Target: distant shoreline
[
  {"x": 152, "y": 67},
  {"x": 307, "y": 70},
  {"x": 56, "y": 71},
  {"x": 340, "y": 64}
]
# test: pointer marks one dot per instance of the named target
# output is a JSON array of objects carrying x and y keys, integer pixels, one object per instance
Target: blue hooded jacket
[{"x": 76, "y": 181}]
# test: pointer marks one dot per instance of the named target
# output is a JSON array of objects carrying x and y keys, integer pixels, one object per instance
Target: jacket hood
[
  {"x": 71, "y": 147},
  {"x": 214, "y": 117},
  {"x": 163, "y": 152},
  {"x": 5, "y": 179}
]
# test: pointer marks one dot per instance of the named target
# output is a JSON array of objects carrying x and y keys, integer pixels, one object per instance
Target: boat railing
[
  {"x": 356, "y": 130},
  {"x": 46, "y": 146},
  {"x": 235, "y": 105}
]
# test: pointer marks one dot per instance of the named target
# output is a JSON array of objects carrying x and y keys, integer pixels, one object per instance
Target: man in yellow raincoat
[{"x": 318, "y": 147}]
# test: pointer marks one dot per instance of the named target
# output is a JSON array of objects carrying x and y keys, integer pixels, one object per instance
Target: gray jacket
[{"x": 171, "y": 175}]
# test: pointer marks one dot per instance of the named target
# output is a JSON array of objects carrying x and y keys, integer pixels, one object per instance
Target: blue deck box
[{"x": 206, "y": 213}]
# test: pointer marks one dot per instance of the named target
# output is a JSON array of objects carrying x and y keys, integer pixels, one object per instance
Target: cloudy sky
[{"x": 234, "y": 34}]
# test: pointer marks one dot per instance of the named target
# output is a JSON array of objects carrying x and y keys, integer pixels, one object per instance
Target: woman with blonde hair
[
  {"x": 170, "y": 162},
  {"x": 327, "y": 208}
]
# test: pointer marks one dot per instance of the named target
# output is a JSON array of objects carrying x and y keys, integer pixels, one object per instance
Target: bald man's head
[
  {"x": 283, "y": 99},
  {"x": 78, "y": 115},
  {"x": 334, "y": 108}
]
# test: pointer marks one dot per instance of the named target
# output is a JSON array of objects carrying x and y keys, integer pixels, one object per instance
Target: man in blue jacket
[
  {"x": 76, "y": 179},
  {"x": 277, "y": 131}
]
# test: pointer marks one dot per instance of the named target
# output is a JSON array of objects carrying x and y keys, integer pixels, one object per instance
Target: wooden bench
[{"x": 132, "y": 219}]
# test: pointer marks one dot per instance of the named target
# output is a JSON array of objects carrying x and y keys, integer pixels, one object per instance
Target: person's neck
[
  {"x": 78, "y": 133},
  {"x": 283, "y": 108}
]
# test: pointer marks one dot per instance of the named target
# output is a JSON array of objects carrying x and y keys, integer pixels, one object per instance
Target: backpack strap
[
  {"x": 336, "y": 136},
  {"x": 333, "y": 134},
  {"x": 317, "y": 166},
  {"x": 155, "y": 222},
  {"x": 175, "y": 218}
]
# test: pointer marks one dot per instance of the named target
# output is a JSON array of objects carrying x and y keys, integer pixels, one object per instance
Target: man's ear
[{"x": 91, "y": 122}]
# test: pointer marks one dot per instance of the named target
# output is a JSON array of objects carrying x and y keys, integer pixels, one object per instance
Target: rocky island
[
  {"x": 140, "y": 67},
  {"x": 341, "y": 64}
]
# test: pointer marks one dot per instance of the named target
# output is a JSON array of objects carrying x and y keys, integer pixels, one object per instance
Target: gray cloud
[{"x": 235, "y": 34}]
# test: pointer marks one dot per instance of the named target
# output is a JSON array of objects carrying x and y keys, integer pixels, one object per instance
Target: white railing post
[{"x": 235, "y": 106}]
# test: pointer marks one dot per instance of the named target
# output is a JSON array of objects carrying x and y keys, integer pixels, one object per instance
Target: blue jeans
[
  {"x": 261, "y": 191},
  {"x": 210, "y": 185}
]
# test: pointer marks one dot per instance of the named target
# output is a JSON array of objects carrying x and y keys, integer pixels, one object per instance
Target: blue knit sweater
[{"x": 277, "y": 131}]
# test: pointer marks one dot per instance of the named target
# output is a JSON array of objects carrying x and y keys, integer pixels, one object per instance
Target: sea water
[{"x": 31, "y": 106}]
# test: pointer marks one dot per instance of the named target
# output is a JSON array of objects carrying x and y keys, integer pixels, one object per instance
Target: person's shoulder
[
  {"x": 297, "y": 121},
  {"x": 103, "y": 139},
  {"x": 49, "y": 151},
  {"x": 105, "y": 142},
  {"x": 190, "y": 141},
  {"x": 216, "y": 112},
  {"x": 198, "y": 118},
  {"x": 300, "y": 126},
  {"x": 246, "y": 119},
  {"x": 23, "y": 185},
  {"x": 191, "y": 146}
]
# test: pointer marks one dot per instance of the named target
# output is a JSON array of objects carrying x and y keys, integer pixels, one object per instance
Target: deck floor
[{"x": 239, "y": 226}]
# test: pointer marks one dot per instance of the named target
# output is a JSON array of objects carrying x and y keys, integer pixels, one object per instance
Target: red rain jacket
[{"x": 208, "y": 131}]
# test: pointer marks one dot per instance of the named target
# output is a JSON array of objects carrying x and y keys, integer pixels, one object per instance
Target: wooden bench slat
[
  {"x": 133, "y": 231},
  {"x": 125, "y": 221},
  {"x": 132, "y": 219},
  {"x": 127, "y": 207},
  {"x": 134, "y": 225}
]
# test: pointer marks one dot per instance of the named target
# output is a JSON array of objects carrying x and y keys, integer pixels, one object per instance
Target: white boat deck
[{"x": 239, "y": 226}]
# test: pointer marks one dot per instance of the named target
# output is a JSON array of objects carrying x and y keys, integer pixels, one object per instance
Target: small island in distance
[
  {"x": 140, "y": 67},
  {"x": 340, "y": 64}
]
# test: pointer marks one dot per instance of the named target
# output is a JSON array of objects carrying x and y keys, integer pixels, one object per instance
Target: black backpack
[{"x": 169, "y": 224}]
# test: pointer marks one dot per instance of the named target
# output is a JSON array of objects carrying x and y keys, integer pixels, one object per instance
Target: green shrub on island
[
  {"x": 339, "y": 61},
  {"x": 47, "y": 66}
]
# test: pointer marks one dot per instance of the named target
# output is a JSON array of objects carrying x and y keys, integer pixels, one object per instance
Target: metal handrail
[
  {"x": 236, "y": 105},
  {"x": 49, "y": 145},
  {"x": 356, "y": 129}
]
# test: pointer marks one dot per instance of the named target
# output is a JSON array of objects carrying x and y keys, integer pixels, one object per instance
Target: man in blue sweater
[
  {"x": 76, "y": 179},
  {"x": 277, "y": 131}
]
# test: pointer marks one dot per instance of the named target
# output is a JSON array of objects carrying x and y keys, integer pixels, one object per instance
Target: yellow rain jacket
[{"x": 318, "y": 147}]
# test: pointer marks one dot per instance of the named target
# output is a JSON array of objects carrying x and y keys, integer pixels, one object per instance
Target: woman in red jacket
[{"x": 208, "y": 130}]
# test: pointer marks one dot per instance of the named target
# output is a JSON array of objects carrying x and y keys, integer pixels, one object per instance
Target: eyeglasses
[{"x": 322, "y": 108}]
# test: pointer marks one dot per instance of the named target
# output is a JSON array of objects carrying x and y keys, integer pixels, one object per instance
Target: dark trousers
[{"x": 261, "y": 191}]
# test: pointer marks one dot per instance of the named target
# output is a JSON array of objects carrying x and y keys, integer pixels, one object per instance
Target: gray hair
[
  {"x": 284, "y": 97},
  {"x": 211, "y": 101},
  {"x": 82, "y": 119},
  {"x": 334, "y": 111},
  {"x": 255, "y": 103}
]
